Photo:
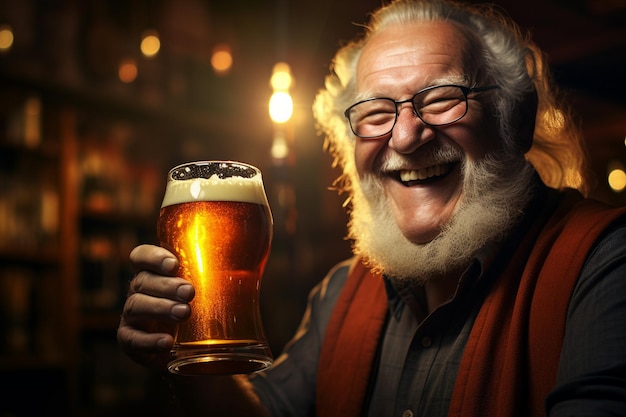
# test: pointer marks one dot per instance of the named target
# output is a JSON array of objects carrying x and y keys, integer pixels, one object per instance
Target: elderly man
[{"x": 483, "y": 284}]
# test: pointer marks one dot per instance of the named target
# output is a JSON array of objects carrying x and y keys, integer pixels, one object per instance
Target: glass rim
[{"x": 214, "y": 162}]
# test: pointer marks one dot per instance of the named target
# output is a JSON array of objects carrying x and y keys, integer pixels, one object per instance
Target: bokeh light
[
  {"x": 221, "y": 59},
  {"x": 617, "y": 180},
  {"x": 150, "y": 44},
  {"x": 280, "y": 149},
  {"x": 6, "y": 38},
  {"x": 281, "y": 107},
  {"x": 127, "y": 71},
  {"x": 281, "y": 77}
]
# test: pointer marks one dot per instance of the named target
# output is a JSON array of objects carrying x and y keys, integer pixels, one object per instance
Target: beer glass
[{"x": 216, "y": 219}]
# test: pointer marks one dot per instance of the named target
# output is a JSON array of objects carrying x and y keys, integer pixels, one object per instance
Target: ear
[{"x": 525, "y": 120}]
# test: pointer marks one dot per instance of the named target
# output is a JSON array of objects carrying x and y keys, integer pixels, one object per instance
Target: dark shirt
[{"x": 420, "y": 353}]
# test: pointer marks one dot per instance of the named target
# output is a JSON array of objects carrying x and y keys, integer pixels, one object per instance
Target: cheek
[
  {"x": 482, "y": 134},
  {"x": 476, "y": 139},
  {"x": 365, "y": 154}
]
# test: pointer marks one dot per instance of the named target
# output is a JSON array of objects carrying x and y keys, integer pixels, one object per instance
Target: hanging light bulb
[
  {"x": 281, "y": 77},
  {"x": 281, "y": 107},
  {"x": 281, "y": 103}
]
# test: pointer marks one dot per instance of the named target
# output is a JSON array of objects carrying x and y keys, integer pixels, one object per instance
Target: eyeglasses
[{"x": 437, "y": 105}]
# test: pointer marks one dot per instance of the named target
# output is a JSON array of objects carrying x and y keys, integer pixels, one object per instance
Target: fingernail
[
  {"x": 163, "y": 344},
  {"x": 168, "y": 264},
  {"x": 180, "y": 311},
  {"x": 185, "y": 292}
]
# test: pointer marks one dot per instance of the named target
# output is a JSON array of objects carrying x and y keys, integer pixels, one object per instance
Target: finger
[
  {"x": 154, "y": 258},
  {"x": 150, "y": 349},
  {"x": 140, "y": 308},
  {"x": 173, "y": 288},
  {"x": 133, "y": 339}
]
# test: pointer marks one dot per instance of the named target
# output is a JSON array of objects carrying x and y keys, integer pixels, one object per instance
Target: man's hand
[{"x": 156, "y": 302}]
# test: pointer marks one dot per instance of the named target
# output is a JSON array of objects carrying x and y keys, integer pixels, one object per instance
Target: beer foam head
[{"x": 233, "y": 188}]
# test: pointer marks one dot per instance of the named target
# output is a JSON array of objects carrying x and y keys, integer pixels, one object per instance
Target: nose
[{"x": 409, "y": 132}]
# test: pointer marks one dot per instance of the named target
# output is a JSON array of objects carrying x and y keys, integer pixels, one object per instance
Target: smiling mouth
[{"x": 430, "y": 174}]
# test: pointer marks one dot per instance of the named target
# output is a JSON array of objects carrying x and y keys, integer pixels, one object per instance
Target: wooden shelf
[
  {"x": 126, "y": 105},
  {"x": 40, "y": 257},
  {"x": 48, "y": 328}
]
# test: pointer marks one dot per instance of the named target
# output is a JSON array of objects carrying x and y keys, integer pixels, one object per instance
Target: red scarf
[{"x": 510, "y": 361}]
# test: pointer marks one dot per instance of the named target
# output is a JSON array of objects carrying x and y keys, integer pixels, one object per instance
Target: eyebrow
[{"x": 451, "y": 79}]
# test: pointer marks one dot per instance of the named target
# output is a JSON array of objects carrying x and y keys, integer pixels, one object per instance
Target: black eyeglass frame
[{"x": 465, "y": 90}]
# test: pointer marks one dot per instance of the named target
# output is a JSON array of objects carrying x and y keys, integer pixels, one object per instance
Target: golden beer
[{"x": 216, "y": 219}]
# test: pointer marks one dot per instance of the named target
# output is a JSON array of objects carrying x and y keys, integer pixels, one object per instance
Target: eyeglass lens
[{"x": 434, "y": 106}]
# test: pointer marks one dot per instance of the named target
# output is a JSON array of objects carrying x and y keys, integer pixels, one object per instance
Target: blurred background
[{"x": 100, "y": 98}]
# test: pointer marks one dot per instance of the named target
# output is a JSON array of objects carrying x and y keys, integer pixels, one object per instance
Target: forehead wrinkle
[{"x": 436, "y": 65}]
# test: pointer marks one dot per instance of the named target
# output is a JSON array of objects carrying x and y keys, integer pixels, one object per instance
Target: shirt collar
[{"x": 404, "y": 293}]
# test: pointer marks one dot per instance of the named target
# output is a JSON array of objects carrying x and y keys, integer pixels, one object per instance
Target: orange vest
[{"x": 510, "y": 361}]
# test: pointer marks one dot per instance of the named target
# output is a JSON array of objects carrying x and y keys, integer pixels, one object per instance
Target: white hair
[{"x": 505, "y": 58}]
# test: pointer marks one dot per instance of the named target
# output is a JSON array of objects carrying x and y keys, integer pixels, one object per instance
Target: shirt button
[
  {"x": 407, "y": 413},
  {"x": 426, "y": 342}
]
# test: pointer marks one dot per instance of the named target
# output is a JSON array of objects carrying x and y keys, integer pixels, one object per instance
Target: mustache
[{"x": 428, "y": 155}]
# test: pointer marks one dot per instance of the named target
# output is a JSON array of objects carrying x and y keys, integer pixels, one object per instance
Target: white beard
[{"x": 492, "y": 202}]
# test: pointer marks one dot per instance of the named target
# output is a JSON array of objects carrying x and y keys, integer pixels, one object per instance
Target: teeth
[{"x": 422, "y": 173}]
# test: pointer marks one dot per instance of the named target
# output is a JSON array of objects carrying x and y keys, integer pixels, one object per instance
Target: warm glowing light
[
  {"x": 127, "y": 71},
  {"x": 281, "y": 107},
  {"x": 150, "y": 44},
  {"x": 6, "y": 38},
  {"x": 281, "y": 103},
  {"x": 196, "y": 233},
  {"x": 617, "y": 180},
  {"x": 281, "y": 77},
  {"x": 32, "y": 121},
  {"x": 221, "y": 59},
  {"x": 280, "y": 150}
]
